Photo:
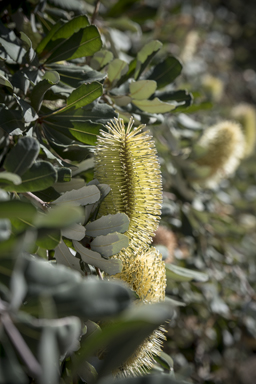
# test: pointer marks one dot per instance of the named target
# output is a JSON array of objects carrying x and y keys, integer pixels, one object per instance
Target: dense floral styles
[
  {"x": 246, "y": 115},
  {"x": 224, "y": 144},
  {"x": 144, "y": 272},
  {"x": 126, "y": 159}
]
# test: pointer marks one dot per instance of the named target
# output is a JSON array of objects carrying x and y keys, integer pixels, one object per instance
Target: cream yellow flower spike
[{"x": 126, "y": 159}]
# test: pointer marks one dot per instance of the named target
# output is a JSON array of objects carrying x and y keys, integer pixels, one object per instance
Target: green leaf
[
  {"x": 166, "y": 72},
  {"x": 154, "y": 106},
  {"x": 178, "y": 96},
  {"x": 85, "y": 42},
  {"x": 75, "y": 76},
  {"x": 64, "y": 256},
  {"x": 82, "y": 196},
  {"x": 108, "y": 224},
  {"x": 100, "y": 113},
  {"x": 142, "y": 89},
  {"x": 75, "y": 183},
  {"x": 73, "y": 295},
  {"x": 40, "y": 176},
  {"x": 110, "y": 244},
  {"x": 61, "y": 216},
  {"x": 41, "y": 46},
  {"x": 9, "y": 178},
  {"x": 116, "y": 69},
  {"x": 176, "y": 273},
  {"x": 88, "y": 373},
  {"x": 17, "y": 209},
  {"x": 145, "y": 55},
  {"x": 22, "y": 156},
  {"x": 48, "y": 238},
  {"x": 49, "y": 79},
  {"x": 101, "y": 58},
  {"x": 64, "y": 174},
  {"x": 85, "y": 132},
  {"x": 111, "y": 267},
  {"x": 83, "y": 166},
  {"x": 4, "y": 81},
  {"x": 15, "y": 51},
  {"x": 75, "y": 232},
  {"x": 12, "y": 121},
  {"x": 83, "y": 95},
  {"x": 28, "y": 113}
]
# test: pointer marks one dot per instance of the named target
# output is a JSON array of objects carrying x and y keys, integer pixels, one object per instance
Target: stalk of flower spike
[
  {"x": 225, "y": 148},
  {"x": 126, "y": 159},
  {"x": 144, "y": 272},
  {"x": 246, "y": 115}
]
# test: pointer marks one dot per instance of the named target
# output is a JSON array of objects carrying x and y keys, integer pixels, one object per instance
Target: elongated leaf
[
  {"x": 75, "y": 183},
  {"x": 83, "y": 166},
  {"x": 48, "y": 238},
  {"x": 111, "y": 267},
  {"x": 73, "y": 295},
  {"x": 154, "y": 106},
  {"x": 41, "y": 46},
  {"x": 85, "y": 42},
  {"x": 40, "y": 176},
  {"x": 60, "y": 33},
  {"x": 65, "y": 257},
  {"x": 116, "y": 69},
  {"x": 75, "y": 232},
  {"x": 142, "y": 89},
  {"x": 145, "y": 55},
  {"x": 22, "y": 156},
  {"x": 178, "y": 96},
  {"x": 9, "y": 178},
  {"x": 5, "y": 81},
  {"x": 16, "y": 208},
  {"x": 85, "y": 132},
  {"x": 108, "y": 224},
  {"x": 75, "y": 76},
  {"x": 166, "y": 72},
  {"x": 59, "y": 217},
  {"x": 83, "y": 95},
  {"x": 100, "y": 113},
  {"x": 11, "y": 121},
  {"x": 82, "y": 196},
  {"x": 15, "y": 51},
  {"x": 101, "y": 58},
  {"x": 110, "y": 244},
  {"x": 28, "y": 113},
  {"x": 50, "y": 78},
  {"x": 176, "y": 273}
]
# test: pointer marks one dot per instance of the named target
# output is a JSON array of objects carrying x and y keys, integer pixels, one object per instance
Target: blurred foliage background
[{"x": 207, "y": 76}]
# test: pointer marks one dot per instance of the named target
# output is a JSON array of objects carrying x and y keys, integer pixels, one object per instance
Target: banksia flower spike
[
  {"x": 144, "y": 272},
  {"x": 246, "y": 115},
  {"x": 225, "y": 145},
  {"x": 126, "y": 159}
]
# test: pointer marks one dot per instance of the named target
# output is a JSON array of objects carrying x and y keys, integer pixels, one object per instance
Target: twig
[
  {"x": 20, "y": 345},
  {"x": 99, "y": 273},
  {"x": 96, "y": 10},
  {"x": 33, "y": 197}
]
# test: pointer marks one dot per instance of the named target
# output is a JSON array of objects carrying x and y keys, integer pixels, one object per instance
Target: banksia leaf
[
  {"x": 126, "y": 159},
  {"x": 225, "y": 148},
  {"x": 246, "y": 115}
]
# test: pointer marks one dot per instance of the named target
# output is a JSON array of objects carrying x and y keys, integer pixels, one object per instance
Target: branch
[
  {"x": 96, "y": 10},
  {"x": 36, "y": 199},
  {"x": 99, "y": 273},
  {"x": 20, "y": 345}
]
